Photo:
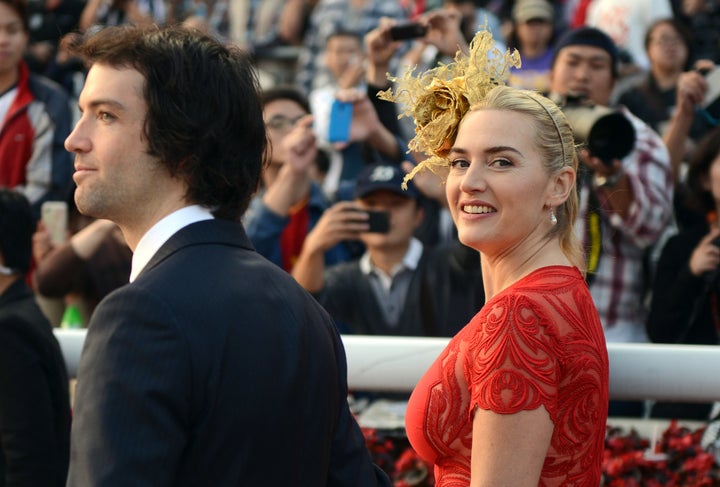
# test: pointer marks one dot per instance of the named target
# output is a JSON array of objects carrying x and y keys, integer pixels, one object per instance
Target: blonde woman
[{"x": 519, "y": 397}]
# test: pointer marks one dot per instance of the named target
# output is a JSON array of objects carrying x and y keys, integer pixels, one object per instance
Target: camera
[
  {"x": 607, "y": 133},
  {"x": 407, "y": 31},
  {"x": 378, "y": 221}
]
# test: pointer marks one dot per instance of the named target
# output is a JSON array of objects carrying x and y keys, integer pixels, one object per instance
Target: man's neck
[
  {"x": 386, "y": 260},
  {"x": 6, "y": 282},
  {"x": 534, "y": 50},
  {"x": 136, "y": 225},
  {"x": 665, "y": 79}
]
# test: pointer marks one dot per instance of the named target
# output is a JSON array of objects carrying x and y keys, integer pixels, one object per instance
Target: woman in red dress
[{"x": 519, "y": 397}]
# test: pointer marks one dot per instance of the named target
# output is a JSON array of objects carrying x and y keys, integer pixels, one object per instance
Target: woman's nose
[{"x": 474, "y": 179}]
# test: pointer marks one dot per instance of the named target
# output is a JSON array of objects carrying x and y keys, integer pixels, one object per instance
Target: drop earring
[{"x": 553, "y": 218}]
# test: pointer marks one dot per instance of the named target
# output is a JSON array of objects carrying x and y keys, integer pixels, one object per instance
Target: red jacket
[{"x": 33, "y": 158}]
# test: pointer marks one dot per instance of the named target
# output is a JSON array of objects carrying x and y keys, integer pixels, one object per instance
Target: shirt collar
[
  {"x": 410, "y": 259},
  {"x": 159, "y": 233}
]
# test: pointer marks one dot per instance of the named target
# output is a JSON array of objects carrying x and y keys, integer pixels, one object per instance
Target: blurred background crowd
[{"x": 653, "y": 256}]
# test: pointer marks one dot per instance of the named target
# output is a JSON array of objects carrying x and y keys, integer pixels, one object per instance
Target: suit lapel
[{"x": 223, "y": 232}]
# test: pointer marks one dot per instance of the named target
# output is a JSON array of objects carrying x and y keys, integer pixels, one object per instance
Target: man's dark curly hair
[{"x": 204, "y": 119}]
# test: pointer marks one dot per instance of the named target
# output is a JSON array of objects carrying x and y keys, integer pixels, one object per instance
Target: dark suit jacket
[
  {"x": 214, "y": 368},
  {"x": 34, "y": 399}
]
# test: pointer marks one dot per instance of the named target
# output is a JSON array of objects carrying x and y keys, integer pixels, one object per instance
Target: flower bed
[{"x": 676, "y": 459}]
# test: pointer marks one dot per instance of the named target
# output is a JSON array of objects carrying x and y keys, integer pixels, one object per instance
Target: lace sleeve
[{"x": 511, "y": 362}]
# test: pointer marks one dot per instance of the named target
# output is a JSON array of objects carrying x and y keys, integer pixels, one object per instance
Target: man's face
[
  {"x": 116, "y": 178},
  {"x": 583, "y": 71},
  {"x": 342, "y": 53},
  {"x": 280, "y": 117},
  {"x": 666, "y": 48},
  {"x": 13, "y": 39}
]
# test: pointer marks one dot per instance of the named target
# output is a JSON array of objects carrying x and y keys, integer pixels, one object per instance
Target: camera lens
[
  {"x": 612, "y": 136},
  {"x": 608, "y": 133}
]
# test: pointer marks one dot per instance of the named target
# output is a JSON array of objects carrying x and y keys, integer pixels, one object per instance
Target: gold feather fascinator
[{"x": 438, "y": 99}]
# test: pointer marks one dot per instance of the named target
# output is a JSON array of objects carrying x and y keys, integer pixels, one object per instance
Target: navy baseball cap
[
  {"x": 384, "y": 176},
  {"x": 588, "y": 36}
]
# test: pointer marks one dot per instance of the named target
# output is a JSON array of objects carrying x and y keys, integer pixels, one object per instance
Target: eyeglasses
[
  {"x": 666, "y": 41},
  {"x": 281, "y": 122}
]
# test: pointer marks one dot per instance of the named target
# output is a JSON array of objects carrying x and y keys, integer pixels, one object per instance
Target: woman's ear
[{"x": 560, "y": 185}]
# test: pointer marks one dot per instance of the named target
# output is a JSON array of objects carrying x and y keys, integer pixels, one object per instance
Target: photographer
[
  {"x": 681, "y": 132},
  {"x": 290, "y": 201},
  {"x": 684, "y": 306},
  {"x": 625, "y": 205},
  {"x": 669, "y": 97},
  {"x": 370, "y": 295}
]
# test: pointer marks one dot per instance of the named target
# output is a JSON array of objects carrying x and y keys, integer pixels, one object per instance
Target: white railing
[{"x": 637, "y": 371}]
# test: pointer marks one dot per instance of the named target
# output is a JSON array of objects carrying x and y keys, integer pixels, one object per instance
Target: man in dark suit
[
  {"x": 34, "y": 398},
  {"x": 212, "y": 367}
]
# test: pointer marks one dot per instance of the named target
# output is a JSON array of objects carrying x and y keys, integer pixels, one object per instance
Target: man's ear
[{"x": 560, "y": 185}]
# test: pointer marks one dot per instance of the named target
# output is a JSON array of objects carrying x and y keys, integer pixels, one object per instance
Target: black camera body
[
  {"x": 378, "y": 221},
  {"x": 404, "y": 32},
  {"x": 607, "y": 133}
]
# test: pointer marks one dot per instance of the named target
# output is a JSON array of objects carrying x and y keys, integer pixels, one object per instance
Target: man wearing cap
[
  {"x": 370, "y": 295},
  {"x": 625, "y": 205},
  {"x": 532, "y": 35}
]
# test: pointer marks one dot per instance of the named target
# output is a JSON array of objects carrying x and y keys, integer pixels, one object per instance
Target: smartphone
[
  {"x": 379, "y": 221},
  {"x": 54, "y": 215},
  {"x": 407, "y": 31},
  {"x": 340, "y": 120},
  {"x": 713, "y": 92}
]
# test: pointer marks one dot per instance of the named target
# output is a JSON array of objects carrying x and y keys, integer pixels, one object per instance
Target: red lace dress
[{"x": 537, "y": 343}]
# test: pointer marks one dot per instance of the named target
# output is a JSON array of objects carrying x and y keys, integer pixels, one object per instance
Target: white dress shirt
[{"x": 161, "y": 232}]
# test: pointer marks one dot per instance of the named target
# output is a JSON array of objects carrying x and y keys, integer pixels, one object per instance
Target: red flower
[{"x": 627, "y": 461}]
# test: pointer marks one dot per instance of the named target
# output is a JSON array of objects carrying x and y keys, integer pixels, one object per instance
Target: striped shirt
[{"x": 619, "y": 282}]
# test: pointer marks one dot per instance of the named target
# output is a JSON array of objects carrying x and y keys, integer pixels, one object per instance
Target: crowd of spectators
[
  {"x": 647, "y": 219},
  {"x": 652, "y": 61}
]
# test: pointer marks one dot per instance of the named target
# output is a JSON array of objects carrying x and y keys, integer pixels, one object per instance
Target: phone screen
[
  {"x": 340, "y": 120},
  {"x": 54, "y": 216},
  {"x": 713, "y": 92}
]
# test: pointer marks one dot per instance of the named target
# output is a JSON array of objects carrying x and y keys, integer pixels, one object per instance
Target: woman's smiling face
[{"x": 498, "y": 186}]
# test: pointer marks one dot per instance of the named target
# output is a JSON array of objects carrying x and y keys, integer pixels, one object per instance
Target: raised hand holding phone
[{"x": 54, "y": 215}]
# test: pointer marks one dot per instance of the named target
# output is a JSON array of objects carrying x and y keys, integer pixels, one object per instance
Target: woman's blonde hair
[
  {"x": 438, "y": 99},
  {"x": 554, "y": 138}
]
